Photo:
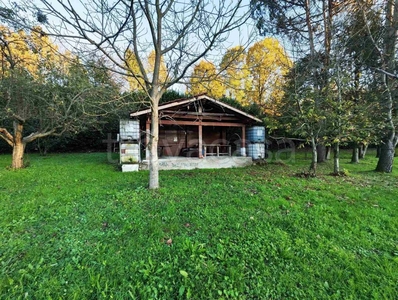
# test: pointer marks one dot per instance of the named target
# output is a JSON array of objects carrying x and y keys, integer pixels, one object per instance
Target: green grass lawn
[{"x": 74, "y": 227}]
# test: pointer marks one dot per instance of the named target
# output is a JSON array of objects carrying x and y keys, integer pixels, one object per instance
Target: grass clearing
[{"x": 73, "y": 227}]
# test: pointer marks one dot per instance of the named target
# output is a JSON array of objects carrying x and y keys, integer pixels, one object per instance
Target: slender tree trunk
[
  {"x": 153, "y": 158},
  {"x": 336, "y": 159},
  {"x": 310, "y": 28},
  {"x": 18, "y": 147},
  {"x": 355, "y": 154},
  {"x": 363, "y": 152},
  {"x": 314, "y": 160},
  {"x": 328, "y": 150}
]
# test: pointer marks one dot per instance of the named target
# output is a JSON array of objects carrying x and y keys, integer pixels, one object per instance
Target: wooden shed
[{"x": 197, "y": 127}]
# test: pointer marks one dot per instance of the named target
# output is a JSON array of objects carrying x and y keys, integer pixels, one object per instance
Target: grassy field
[{"x": 74, "y": 227}]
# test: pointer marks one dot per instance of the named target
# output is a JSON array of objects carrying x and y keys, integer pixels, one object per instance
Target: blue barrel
[
  {"x": 255, "y": 134},
  {"x": 256, "y": 151}
]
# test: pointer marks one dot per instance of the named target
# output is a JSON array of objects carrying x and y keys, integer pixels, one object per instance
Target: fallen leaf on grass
[{"x": 309, "y": 204}]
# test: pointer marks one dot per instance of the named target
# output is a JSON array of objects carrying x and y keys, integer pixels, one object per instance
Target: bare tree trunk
[
  {"x": 360, "y": 150},
  {"x": 18, "y": 147},
  {"x": 328, "y": 150},
  {"x": 387, "y": 149},
  {"x": 153, "y": 158},
  {"x": 18, "y": 155},
  {"x": 336, "y": 159},
  {"x": 386, "y": 159},
  {"x": 363, "y": 152},
  {"x": 355, "y": 154},
  {"x": 314, "y": 160}
]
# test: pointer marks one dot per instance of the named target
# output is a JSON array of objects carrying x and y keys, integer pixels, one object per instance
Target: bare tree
[{"x": 180, "y": 33}]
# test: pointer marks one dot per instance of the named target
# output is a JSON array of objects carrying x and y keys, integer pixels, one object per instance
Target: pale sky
[{"x": 246, "y": 35}]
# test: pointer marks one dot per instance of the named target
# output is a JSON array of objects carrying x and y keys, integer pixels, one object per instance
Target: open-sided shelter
[{"x": 197, "y": 127}]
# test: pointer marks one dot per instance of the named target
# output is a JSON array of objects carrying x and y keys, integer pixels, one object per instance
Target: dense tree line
[{"x": 341, "y": 88}]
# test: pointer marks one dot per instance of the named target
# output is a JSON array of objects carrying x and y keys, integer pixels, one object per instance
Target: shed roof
[{"x": 202, "y": 97}]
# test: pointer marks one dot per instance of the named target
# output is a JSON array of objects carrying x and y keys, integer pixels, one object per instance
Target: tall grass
[{"x": 74, "y": 227}]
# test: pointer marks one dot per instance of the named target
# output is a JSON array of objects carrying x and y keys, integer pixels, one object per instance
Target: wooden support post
[
  {"x": 147, "y": 136},
  {"x": 200, "y": 141},
  {"x": 243, "y": 146},
  {"x": 200, "y": 155}
]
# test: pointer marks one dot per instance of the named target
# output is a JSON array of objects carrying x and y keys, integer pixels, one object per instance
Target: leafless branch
[{"x": 5, "y": 135}]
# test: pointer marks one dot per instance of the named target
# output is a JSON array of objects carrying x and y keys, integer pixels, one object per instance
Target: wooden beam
[
  {"x": 196, "y": 123},
  {"x": 202, "y": 98},
  {"x": 195, "y": 117},
  {"x": 163, "y": 106},
  {"x": 229, "y": 107},
  {"x": 179, "y": 112}
]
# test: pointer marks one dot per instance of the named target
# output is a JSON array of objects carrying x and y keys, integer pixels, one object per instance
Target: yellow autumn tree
[
  {"x": 34, "y": 53},
  {"x": 135, "y": 78},
  {"x": 234, "y": 73},
  {"x": 16, "y": 52},
  {"x": 205, "y": 79},
  {"x": 151, "y": 65},
  {"x": 267, "y": 64}
]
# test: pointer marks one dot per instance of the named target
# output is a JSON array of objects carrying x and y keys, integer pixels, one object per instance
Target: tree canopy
[
  {"x": 252, "y": 77},
  {"x": 205, "y": 79},
  {"x": 46, "y": 92}
]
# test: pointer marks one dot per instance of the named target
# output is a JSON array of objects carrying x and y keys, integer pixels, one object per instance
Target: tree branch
[
  {"x": 387, "y": 73},
  {"x": 227, "y": 27},
  {"x": 36, "y": 135},
  {"x": 5, "y": 135}
]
